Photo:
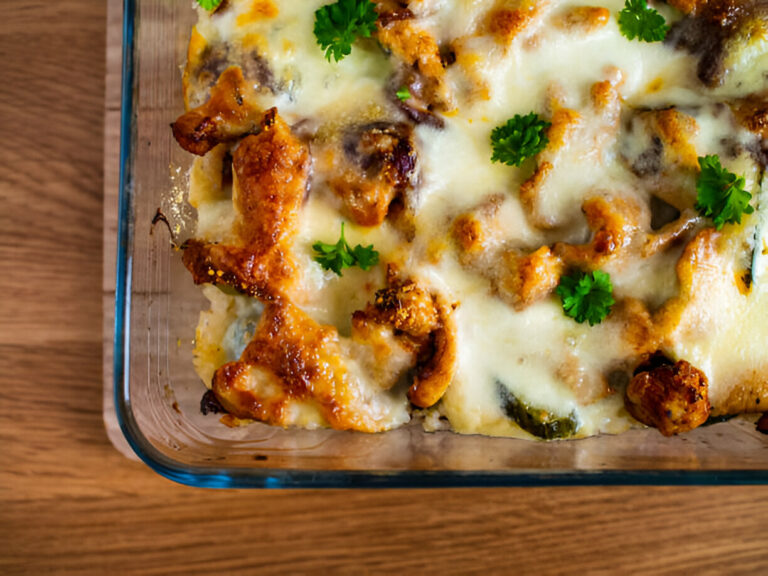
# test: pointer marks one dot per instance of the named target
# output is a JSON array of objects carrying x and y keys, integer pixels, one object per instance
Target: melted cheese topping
[{"x": 559, "y": 57}]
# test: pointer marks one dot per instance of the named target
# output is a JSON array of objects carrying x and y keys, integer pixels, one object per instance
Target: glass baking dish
[{"x": 157, "y": 393}]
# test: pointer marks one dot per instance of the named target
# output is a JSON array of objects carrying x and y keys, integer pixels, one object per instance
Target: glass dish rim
[{"x": 288, "y": 478}]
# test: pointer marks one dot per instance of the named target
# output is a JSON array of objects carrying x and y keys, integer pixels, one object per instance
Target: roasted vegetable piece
[
  {"x": 536, "y": 421},
  {"x": 727, "y": 36},
  {"x": 671, "y": 397}
]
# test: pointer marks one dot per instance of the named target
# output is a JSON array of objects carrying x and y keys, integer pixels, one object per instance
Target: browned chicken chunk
[
  {"x": 423, "y": 324},
  {"x": 670, "y": 397},
  {"x": 376, "y": 165},
  {"x": 228, "y": 114}
]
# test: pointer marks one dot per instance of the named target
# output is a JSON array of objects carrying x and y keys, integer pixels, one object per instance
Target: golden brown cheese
[
  {"x": 293, "y": 360},
  {"x": 293, "y": 364},
  {"x": 271, "y": 171},
  {"x": 227, "y": 115}
]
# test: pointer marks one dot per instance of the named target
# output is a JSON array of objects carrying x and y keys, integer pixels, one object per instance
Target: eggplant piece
[
  {"x": 536, "y": 421},
  {"x": 728, "y": 38},
  {"x": 206, "y": 66}
]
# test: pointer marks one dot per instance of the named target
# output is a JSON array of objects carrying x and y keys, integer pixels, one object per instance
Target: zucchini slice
[{"x": 535, "y": 421}]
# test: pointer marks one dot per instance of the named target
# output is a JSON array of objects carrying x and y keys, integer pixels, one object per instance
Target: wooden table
[{"x": 72, "y": 504}]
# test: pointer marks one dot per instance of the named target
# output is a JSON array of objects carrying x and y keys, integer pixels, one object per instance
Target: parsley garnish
[
  {"x": 720, "y": 193},
  {"x": 403, "y": 94},
  {"x": 209, "y": 4},
  {"x": 338, "y": 25},
  {"x": 639, "y": 21},
  {"x": 520, "y": 138},
  {"x": 341, "y": 255},
  {"x": 586, "y": 297}
]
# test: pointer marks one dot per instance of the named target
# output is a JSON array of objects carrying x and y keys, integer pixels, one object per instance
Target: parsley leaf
[
  {"x": 209, "y": 4},
  {"x": 637, "y": 20},
  {"x": 341, "y": 255},
  {"x": 365, "y": 256},
  {"x": 520, "y": 138},
  {"x": 720, "y": 193},
  {"x": 403, "y": 94},
  {"x": 338, "y": 25},
  {"x": 586, "y": 297}
]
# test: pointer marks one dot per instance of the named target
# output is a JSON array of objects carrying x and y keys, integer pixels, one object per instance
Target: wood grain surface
[{"x": 70, "y": 503}]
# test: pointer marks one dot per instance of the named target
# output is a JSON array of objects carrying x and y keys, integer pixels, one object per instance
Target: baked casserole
[{"x": 528, "y": 218}]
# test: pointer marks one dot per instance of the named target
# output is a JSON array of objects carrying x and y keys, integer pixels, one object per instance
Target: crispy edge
[
  {"x": 229, "y": 113},
  {"x": 272, "y": 169}
]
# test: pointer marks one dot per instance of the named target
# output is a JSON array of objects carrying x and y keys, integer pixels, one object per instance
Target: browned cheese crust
[
  {"x": 228, "y": 114},
  {"x": 271, "y": 170},
  {"x": 583, "y": 19},
  {"x": 293, "y": 359},
  {"x": 507, "y": 19}
]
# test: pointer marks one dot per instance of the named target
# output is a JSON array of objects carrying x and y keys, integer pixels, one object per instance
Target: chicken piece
[
  {"x": 613, "y": 223},
  {"x": 699, "y": 271},
  {"x": 406, "y": 307},
  {"x": 527, "y": 278},
  {"x": 505, "y": 26},
  {"x": 374, "y": 165},
  {"x": 271, "y": 170},
  {"x": 478, "y": 232},
  {"x": 519, "y": 278},
  {"x": 586, "y": 385},
  {"x": 670, "y": 397},
  {"x": 229, "y": 113},
  {"x": 418, "y": 51},
  {"x": 422, "y": 323},
  {"x": 564, "y": 126},
  {"x": 522, "y": 278}
]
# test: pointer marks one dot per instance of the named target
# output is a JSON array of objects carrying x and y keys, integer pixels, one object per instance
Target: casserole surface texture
[{"x": 458, "y": 318}]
